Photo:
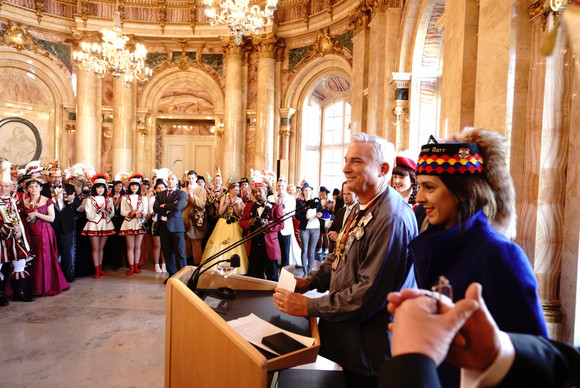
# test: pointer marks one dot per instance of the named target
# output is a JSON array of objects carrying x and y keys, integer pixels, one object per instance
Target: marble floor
[{"x": 107, "y": 332}]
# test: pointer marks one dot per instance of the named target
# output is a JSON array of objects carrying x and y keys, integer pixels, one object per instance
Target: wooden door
[{"x": 194, "y": 153}]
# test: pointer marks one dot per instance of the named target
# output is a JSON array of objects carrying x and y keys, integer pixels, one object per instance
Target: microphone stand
[{"x": 192, "y": 283}]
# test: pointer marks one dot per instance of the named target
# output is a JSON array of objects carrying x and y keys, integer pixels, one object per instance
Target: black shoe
[
  {"x": 3, "y": 301},
  {"x": 165, "y": 281},
  {"x": 70, "y": 279},
  {"x": 23, "y": 298}
]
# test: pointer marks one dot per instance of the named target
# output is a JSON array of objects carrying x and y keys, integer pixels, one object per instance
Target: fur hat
[
  {"x": 493, "y": 148},
  {"x": 5, "y": 167}
]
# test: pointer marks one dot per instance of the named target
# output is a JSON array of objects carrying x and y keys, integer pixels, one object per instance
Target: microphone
[
  {"x": 313, "y": 203},
  {"x": 235, "y": 260}
]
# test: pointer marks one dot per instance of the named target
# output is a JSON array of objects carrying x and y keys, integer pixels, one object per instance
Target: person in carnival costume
[
  {"x": 227, "y": 230},
  {"x": 14, "y": 246},
  {"x": 469, "y": 197},
  {"x": 134, "y": 207},
  {"x": 100, "y": 210},
  {"x": 47, "y": 277}
]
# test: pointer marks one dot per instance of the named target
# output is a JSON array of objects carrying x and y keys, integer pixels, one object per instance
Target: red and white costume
[
  {"x": 132, "y": 205},
  {"x": 100, "y": 211}
]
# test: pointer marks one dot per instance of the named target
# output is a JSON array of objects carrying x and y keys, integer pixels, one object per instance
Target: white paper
[
  {"x": 286, "y": 280},
  {"x": 253, "y": 328}
]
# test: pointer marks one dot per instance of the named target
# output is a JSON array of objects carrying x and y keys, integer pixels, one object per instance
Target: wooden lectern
[{"x": 202, "y": 350}]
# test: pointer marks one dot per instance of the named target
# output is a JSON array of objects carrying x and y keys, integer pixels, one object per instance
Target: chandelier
[
  {"x": 112, "y": 55},
  {"x": 239, "y": 17}
]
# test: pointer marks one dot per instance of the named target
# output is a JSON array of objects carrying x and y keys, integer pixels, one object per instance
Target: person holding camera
[{"x": 263, "y": 250}]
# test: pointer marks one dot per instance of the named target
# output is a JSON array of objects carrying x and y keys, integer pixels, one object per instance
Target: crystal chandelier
[
  {"x": 111, "y": 55},
  {"x": 239, "y": 17}
]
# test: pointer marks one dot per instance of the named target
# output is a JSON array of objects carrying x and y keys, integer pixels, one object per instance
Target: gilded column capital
[
  {"x": 266, "y": 45},
  {"x": 360, "y": 18},
  {"x": 231, "y": 50}
]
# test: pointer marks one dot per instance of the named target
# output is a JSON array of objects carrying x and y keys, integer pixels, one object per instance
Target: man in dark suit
[
  {"x": 424, "y": 334},
  {"x": 169, "y": 205},
  {"x": 264, "y": 249},
  {"x": 65, "y": 204},
  {"x": 342, "y": 215}
]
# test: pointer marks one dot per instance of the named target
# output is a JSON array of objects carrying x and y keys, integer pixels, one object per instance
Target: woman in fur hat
[
  {"x": 100, "y": 210},
  {"x": 469, "y": 197},
  {"x": 134, "y": 208}
]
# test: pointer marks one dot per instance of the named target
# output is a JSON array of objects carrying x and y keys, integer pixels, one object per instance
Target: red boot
[
  {"x": 131, "y": 270},
  {"x": 97, "y": 271},
  {"x": 137, "y": 270},
  {"x": 103, "y": 273}
]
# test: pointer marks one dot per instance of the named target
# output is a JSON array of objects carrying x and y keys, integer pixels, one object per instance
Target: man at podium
[{"x": 369, "y": 261}]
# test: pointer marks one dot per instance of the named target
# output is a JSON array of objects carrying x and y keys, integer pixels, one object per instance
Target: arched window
[{"x": 334, "y": 141}]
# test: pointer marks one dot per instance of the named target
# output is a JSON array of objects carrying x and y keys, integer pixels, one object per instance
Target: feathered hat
[
  {"x": 99, "y": 178},
  {"x": 162, "y": 173},
  {"x": 5, "y": 167},
  {"x": 121, "y": 176},
  {"x": 33, "y": 167}
]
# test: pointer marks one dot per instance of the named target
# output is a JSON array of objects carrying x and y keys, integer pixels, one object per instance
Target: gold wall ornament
[
  {"x": 324, "y": 44},
  {"x": 162, "y": 14},
  {"x": 193, "y": 16},
  {"x": 121, "y": 9},
  {"x": 306, "y": 7},
  {"x": 18, "y": 37},
  {"x": 84, "y": 7},
  {"x": 39, "y": 8}
]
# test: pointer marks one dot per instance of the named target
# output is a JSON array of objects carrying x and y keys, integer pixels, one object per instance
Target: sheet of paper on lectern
[{"x": 253, "y": 328}]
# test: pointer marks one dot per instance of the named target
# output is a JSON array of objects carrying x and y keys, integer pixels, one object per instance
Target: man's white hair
[{"x": 383, "y": 151}]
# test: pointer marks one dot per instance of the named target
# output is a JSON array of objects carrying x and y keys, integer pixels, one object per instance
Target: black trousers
[
  {"x": 260, "y": 264},
  {"x": 65, "y": 243},
  {"x": 173, "y": 248},
  {"x": 284, "y": 242}
]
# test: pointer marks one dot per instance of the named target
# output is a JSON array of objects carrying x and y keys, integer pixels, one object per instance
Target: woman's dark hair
[
  {"x": 408, "y": 171},
  {"x": 474, "y": 193},
  {"x": 134, "y": 184},
  {"x": 94, "y": 189},
  {"x": 31, "y": 181},
  {"x": 159, "y": 182}
]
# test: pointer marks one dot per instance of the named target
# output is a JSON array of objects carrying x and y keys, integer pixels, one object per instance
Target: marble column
[
  {"x": 124, "y": 126},
  {"x": 285, "y": 124},
  {"x": 503, "y": 62},
  {"x": 266, "y": 47},
  {"x": 557, "y": 94},
  {"x": 459, "y": 66},
  {"x": 88, "y": 118},
  {"x": 384, "y": 32},
  {"x": 401, "y": 82},
  {"x": 234, "y": 128},
  {"x": 360, "y": 68}
]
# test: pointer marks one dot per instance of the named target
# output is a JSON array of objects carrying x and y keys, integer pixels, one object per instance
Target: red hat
[
  {"x": 404, "y": 161},
  {"x": 260, "y": 185}
]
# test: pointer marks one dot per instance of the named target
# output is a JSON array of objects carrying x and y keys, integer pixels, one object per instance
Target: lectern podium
[{"x": 202, "y": 350}]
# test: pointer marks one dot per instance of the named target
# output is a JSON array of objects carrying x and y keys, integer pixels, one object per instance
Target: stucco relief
[
  {"x": 17, "y": 88},
  {"x": 192, "y": 99}
]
